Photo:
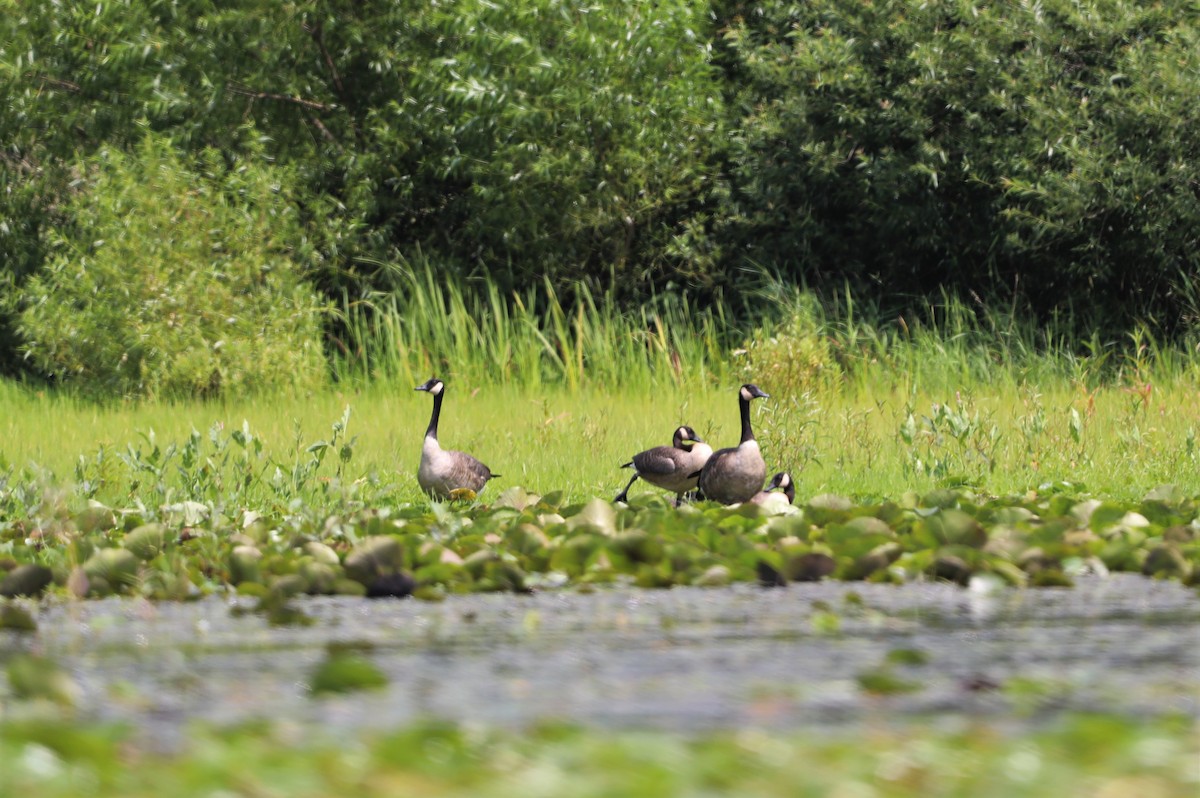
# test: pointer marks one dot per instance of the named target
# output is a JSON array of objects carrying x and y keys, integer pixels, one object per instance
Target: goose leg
[{"x": 623, "y": 496}]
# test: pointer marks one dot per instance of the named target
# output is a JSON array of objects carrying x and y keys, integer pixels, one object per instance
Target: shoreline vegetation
[
  {"x": 861, "y": 406},
  {"x": 958, "y": 451}
]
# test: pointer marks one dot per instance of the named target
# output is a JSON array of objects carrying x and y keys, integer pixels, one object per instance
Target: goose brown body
[
  {"x": 443, "y": 471},
  {"x": 737, "y": 473},
  {"x": 674, "y": 468}
]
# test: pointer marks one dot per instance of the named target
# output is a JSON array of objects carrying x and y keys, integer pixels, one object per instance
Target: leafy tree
[
  {"x": 1038, "y": 151},
  {"x": 554, "y": 137},
  {"x": 170, "y": 281}
]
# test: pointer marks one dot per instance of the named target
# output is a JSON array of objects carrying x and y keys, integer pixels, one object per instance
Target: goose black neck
[
  {"x": 747, "y": 433},
  {"x": 790, "y": 492},
  {"x": 431, "y": 432}
]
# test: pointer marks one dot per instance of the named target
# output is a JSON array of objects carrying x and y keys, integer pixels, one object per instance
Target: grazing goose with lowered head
[
  {"x": 769, "y": 498},
  {"x": 736, "y": 474},
  {"x": 674, "y": 468},
  {"x": 443, "y": 471}
]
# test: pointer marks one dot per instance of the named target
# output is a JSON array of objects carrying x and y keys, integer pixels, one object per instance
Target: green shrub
[
  {"x": 793, "y": 355},
  {"x": 172, "y": 282}
]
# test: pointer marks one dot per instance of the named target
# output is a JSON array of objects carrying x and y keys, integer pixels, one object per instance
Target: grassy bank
[
  {"x": 866, "y": 441},
  {"x": 1019, "y": 428}
]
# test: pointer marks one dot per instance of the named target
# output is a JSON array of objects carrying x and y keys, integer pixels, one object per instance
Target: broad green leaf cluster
[{"x": 522, "y": 542}]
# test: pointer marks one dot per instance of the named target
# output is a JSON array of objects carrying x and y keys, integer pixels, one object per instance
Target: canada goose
[
  {"x": 768, "y": 497},
  {"x": 674, "y": 468},
  {"x": 735, "y": 474},
  {"x": 442, "y": 471}
]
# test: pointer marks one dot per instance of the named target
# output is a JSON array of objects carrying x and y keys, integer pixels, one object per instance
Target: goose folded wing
[
  {"x": 467, "y": 469},
  {"x": 658, "y": 462}
]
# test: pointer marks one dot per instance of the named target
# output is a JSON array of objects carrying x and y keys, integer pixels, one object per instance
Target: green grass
[
  {"x": 965, "y": 487},
  {"x": 1079, "y": 756},
  {"x": 1116, "y": 441},
  {"x": 556, "y": 399},
  {"x": 529, "y": 340}
]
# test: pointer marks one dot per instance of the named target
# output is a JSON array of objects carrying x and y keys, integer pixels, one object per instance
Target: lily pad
[
  {"x": 146, "y": 541},
  {"x": 243, "y": 564},
  {"x": 1166, "y": 561},
  {"x": 346, "y": 672},
  {"x": 882, "y": 682},
  {"x": 597, "y": 515},
  {"x": 517, "y": 498},
  {"x": 16, "y": 618},
  {"x": 95, "y": 518},
  {"x": 954, "y": 527},
  {"x": 373, "y": 557},
  {"x": 111, "y": 568},
  {"x": 26, "y": 580}
]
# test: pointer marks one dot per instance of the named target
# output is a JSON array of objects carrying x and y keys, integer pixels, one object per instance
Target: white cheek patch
[
  {"x": 746, "y": 395},
  {"x": 436, "y": 389}
]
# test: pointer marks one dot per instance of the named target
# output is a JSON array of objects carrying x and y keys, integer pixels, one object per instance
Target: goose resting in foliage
[
  {"x": 736, "y": 474},
  {"x": 674, "y": 468},
  {"x": 769, "y": 498},
  {"x": 442, "y": 471}
]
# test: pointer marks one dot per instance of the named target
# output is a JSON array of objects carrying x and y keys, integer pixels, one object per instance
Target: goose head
[
  {"x": 684, "y": 437},
  {"x": 783, "y": 481},
  {"x": 750, "y": 391},
  {"x": 433, "y": 385}
]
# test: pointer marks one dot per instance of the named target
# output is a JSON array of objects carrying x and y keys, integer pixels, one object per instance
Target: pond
[{"x": 831, "y": 655}]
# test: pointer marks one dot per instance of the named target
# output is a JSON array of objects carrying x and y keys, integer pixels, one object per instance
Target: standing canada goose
[
  {"x": 674, "y": 468},
  {"x": 735, "y": 474},
  {"x": 442, "y": 471},
  {"x": 768, "y": 497}
]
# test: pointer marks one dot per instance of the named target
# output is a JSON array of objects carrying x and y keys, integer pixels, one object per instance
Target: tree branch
[
  {"x": 318, "y": 34},
  {"x": 324, "y": 131},
  {"x": 57, "y": 83},
  {"x": 245, "y": 91}
]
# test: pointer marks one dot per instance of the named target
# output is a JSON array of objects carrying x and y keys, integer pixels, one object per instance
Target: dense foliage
[
  {"x": 1041, "y": 151},
  {"x": 1035, "y": 154},
  {"x": 121, "y": 309}
]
